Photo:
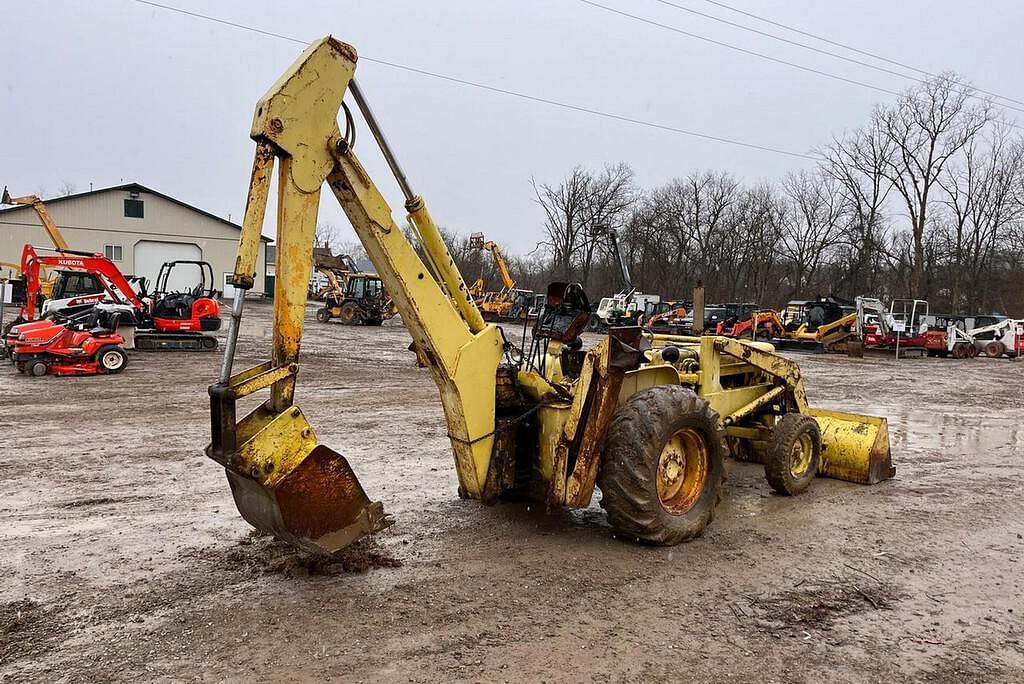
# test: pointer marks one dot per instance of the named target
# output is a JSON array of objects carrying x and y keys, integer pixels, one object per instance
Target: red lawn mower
[{"x": 86, "y": 344}]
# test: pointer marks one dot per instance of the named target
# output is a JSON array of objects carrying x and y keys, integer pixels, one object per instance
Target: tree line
[{"x": 925, "y": 200}]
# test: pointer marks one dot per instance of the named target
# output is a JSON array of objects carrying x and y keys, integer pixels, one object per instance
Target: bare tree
[
  {"x": 66, "y": 188},
  {"x": 983, "y": 204},
  {"x": 565, "y": 215},
  {"x": 580, "y": 211},
  {"x": 812, "y": 226},
  {"x": 857, "y": 162},
  {"x": 327, "y": 236},
  {"x": 927, "y": 126}
]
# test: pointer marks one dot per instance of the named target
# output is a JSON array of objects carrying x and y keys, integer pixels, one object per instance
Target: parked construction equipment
[
  {"x": 48, "y": 279},
  {"x": 510, "y": 302},
  {"x": 644, "y": 421},
  {"x": 164, "y": 320},
  {"x": 625, "y": 307},
  {"x": 1003, "y": 338},
  {"x": 352, "y": 296}
]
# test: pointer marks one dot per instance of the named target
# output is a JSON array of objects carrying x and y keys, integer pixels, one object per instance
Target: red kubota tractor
[{"x": 86, "y": 344}]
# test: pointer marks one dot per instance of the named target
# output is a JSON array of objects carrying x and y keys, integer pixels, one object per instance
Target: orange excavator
[{"x": 167, "y": 320}]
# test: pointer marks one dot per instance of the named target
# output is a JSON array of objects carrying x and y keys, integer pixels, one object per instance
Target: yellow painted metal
[
  {"x": 434, "y": 245},
  {"x": 682, "y": 471},
  {"x": 760, "y": 402},
  {"x": 646, "y": 377},
  {"x": 265, "y": 379},
  {"x": 854, "y": 447},
  {"x": 249, "y": 238},
  {"x": 56, "y": 237},
  {"x": 463, "y": 363}
]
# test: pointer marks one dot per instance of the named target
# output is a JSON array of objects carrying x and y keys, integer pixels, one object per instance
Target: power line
[
  {"x": 737, "y": 48},
  {"x": 495, "y": 89},
  {"x": 851, "y": 48},
  {"x": 829, "y": 53},
  {"x": 771, "y": 58},
  {"x": 753, "y": 53}
]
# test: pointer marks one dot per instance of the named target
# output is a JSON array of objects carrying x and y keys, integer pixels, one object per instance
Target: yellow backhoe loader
[
  {"x": 643, "y": 417},
  {"x": 509, "y": 301},
  {"x": 352, "y": 296}
]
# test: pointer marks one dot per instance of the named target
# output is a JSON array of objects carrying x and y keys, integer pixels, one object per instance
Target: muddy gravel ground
[{"x": 122, "y": 556}]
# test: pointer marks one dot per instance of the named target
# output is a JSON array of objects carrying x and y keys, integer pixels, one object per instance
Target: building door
[{"x": 150, "y": 255}]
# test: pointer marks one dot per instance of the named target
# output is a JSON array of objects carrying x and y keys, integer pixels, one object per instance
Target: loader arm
[
  {"x": 282, "y": 480},
  {"x": 855, "y": 447}
]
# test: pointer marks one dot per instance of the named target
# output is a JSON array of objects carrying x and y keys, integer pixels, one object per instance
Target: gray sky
[{"x": 112, "y": 90}]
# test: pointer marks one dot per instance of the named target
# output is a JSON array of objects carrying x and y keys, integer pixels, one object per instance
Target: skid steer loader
[{"x": 644, "y": 417}]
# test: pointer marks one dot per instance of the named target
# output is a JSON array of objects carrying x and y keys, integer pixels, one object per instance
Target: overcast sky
[{"x": 113, "y": 91}]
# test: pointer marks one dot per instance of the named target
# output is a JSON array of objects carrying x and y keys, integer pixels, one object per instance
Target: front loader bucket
[
  {"x": 302, "y": 492},
  {"x": 855, "y": 448}
]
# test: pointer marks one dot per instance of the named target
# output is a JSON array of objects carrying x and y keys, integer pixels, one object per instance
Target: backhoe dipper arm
[{"x": 283, "y": 482}]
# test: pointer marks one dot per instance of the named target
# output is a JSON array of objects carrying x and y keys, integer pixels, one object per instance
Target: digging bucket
[
  {"x": 855, "y": 448},
  {"x": 302, "y": 492}
]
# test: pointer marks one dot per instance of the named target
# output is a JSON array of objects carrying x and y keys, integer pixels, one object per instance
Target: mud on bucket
[
  {"x": 855, "y": 447},
  {"x": 302, "y": 492}
]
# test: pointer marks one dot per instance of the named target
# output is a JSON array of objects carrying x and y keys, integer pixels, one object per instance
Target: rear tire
[
  {"x": 995, "y": 349},
  {"x": 663, "y": 466},
  {"x": 972, "y": 351},
  {"x": 793, "y": 454},
  {"x": 349, "y": 314},
  {"x": 112, "y": 358},
  {"x": 960, "y": 350}
]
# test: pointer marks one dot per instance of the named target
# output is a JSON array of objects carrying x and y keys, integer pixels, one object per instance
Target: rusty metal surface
[{"x": 622, "y": 353}]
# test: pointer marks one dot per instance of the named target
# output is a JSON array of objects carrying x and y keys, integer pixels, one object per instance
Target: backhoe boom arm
[{"x": 282, "y": 480}]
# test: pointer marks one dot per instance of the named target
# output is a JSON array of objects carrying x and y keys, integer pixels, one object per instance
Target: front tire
[
  {"x": 112, "y": 358},
  {"x": 323, "y": 315},
  {"x": 37, "y": 369},
  {"x": 662, "y": 467},
  {"x": 793, "y": 454},
  {"x": 995, "y": 349}
]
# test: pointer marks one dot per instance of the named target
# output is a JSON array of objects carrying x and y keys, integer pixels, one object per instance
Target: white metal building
[{"x": 136, "y": 227}]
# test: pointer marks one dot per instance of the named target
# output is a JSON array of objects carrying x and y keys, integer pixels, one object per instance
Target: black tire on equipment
[
  {"x": 594, "y": 324},
  {"x": 323, "y": 315},
  {"x": 639, "y": 431},
  {"x": 960, "y": 350},
  {"x": 36, "y": 369},
  {"x": 778, "y": 466},
  {"x": 349, "y": 314},
  {"x": 995, "y": 349},
  {"x": 111, "y": 349}
]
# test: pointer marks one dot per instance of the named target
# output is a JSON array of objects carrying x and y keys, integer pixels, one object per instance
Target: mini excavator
[{"x": 645, "y": 418}]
